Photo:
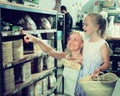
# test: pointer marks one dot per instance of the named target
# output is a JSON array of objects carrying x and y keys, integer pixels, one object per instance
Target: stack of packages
[
  {"x": 45, "y": 86},
  {"x": 17, "y": 48},
  {"x": 26, "y": 72},
  {"x": 41, "y": 87},
  {"x": 52, "y": 81},
  {"x": 7, "y": 53},
  {"x": 50, "y": 62},
  {"x": 9, "y": 79},
  {"x": 38, "y": 88}
]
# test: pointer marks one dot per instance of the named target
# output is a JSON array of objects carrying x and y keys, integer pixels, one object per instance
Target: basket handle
[{"x": 98, "y": 77}]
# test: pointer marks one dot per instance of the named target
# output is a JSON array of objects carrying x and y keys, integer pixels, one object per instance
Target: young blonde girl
[{"x": 95, "y": 50}]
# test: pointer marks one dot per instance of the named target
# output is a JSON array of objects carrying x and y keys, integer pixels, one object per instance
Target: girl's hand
[{"x": 96, "y": 73}]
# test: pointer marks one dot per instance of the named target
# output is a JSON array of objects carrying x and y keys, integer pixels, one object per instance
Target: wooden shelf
[
  {"x": 35, "y": 32},
  {"x": 20, "y": 7},
  {"x": 26, "y": 58},
  {"x": 11, "y": 13},
  {"x": 41, "y": 31}
]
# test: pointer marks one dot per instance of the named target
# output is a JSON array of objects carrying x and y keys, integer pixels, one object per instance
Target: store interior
[{"x": 26, "y": 70}]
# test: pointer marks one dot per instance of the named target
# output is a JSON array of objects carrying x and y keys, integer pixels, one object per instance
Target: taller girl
[{"x": 95, "y": 50}]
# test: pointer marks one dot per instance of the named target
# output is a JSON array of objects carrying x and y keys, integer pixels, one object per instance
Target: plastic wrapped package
[
  {"x": 27, "y": 23},
  {"x": 44, "y": 24}
]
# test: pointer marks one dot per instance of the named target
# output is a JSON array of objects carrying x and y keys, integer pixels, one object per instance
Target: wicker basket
[{"x": 102, "y": 86}]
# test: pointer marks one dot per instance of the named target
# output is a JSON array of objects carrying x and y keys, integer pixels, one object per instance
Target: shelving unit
[
  {"x": 114, "y": 44},
  {"x": 12, "y": 13}
]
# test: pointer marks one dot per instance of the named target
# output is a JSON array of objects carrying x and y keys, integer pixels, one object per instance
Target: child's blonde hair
[{"x": 100, "y": 21}]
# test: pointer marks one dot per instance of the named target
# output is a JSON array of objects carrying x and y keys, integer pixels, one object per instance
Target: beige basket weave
[{"x": 104, "y": 85}]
